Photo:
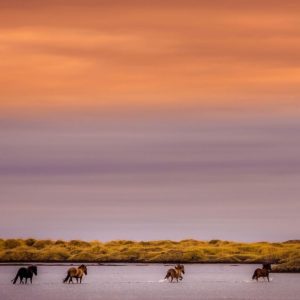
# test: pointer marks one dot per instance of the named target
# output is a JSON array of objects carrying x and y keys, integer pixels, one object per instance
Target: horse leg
[
  {"x": 80, "y": 279},
  {"x": 31, "y": 280},
  {"x": 268, "y": 278},
  {"x": 25, "y": 280}
]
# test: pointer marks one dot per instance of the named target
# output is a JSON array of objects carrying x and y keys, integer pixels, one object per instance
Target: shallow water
[{"x": 143, "y": 282}]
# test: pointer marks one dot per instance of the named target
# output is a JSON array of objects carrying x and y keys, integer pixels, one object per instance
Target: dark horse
[
  {"x": 25, "y": 273},
  {"x": 264, "y": 272},
  {"x": 76, "y": 273},
  {"x": 175, "y": 273}
]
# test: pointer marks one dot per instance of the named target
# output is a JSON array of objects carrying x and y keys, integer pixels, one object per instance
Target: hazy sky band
[{"x": 230, "y": 179}]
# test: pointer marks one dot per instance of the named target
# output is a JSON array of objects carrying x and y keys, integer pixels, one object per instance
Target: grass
[{"x": 285, "y": 255}]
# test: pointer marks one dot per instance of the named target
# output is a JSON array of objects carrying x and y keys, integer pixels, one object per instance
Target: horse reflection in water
[
  {"x": 25, "y": 273},
  {"x": 264, "y": 272},
  {"x": 76, "y": 273},
  {"x": 175, "y": 273}
]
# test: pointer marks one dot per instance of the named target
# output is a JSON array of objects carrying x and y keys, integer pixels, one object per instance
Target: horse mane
[{"x": 267, "y": 266}]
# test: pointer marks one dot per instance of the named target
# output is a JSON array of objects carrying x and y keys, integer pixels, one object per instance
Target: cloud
[{"x": 124, "y": 53}]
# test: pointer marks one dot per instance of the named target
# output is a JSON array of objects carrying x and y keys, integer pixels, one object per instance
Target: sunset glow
[{"x": 110, "y": 54}]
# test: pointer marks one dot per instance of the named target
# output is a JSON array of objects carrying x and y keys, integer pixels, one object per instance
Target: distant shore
[
  {"x": 124, "y": 264},
  {"x": 284, "y": 256}
]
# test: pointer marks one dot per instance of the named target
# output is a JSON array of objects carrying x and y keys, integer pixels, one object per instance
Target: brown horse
[
  {"x": 76, "y": 273},
  {"x": 264, "y": 272},
  {"x": 175, "y": 273}
]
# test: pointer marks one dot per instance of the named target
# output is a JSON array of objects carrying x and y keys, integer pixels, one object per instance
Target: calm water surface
[{"x": 145, "y": 282}]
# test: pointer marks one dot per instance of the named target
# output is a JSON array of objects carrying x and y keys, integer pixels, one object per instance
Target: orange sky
[{"x": 86, "y": 53}]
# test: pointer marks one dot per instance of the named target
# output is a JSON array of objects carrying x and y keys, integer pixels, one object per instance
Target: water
[{"x": 145, "y": 282}]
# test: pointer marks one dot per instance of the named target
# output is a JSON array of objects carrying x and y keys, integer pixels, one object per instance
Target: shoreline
[{"x": 137, "y": 264}]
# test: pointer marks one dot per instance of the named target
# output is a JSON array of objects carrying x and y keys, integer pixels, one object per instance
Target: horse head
[
  {"x": 33, "y": 269},
  {"x": 84, "y": 269},
  {"x": 180, "y": 268}
]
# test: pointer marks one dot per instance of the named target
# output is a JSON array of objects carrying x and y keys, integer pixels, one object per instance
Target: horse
[
  {"x": 175, "y": 273},
  {"x": 264, "y": 272},
  {"x": 25, "y": 273},
  {"x": 76, "y": 273}
]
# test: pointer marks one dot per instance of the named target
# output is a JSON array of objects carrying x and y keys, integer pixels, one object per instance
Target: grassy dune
[{"x": 286, "y": 255}]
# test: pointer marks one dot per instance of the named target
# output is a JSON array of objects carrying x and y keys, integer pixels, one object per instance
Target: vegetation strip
[{"x": 285, "y": 255}]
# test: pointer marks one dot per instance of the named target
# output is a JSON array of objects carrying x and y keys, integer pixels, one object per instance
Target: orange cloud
[{"x": 148, "y": 53}]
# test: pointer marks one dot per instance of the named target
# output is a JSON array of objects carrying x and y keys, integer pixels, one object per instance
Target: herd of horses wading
[{"x": 78, "y": 273}]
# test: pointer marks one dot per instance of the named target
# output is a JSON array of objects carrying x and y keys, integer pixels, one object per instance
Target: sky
[{"x": 150, "y": 120}]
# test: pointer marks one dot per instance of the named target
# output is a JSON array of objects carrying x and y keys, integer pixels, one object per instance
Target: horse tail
[
  {"x": 168, "y": 275},
  {"x": 16, "y": 278},
  {"x": 66, "y": 279},
  {"x": 254, "y": 274}
]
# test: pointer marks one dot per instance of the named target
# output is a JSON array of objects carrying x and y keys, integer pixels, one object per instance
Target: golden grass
[{"x": 286, "y": 255}]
